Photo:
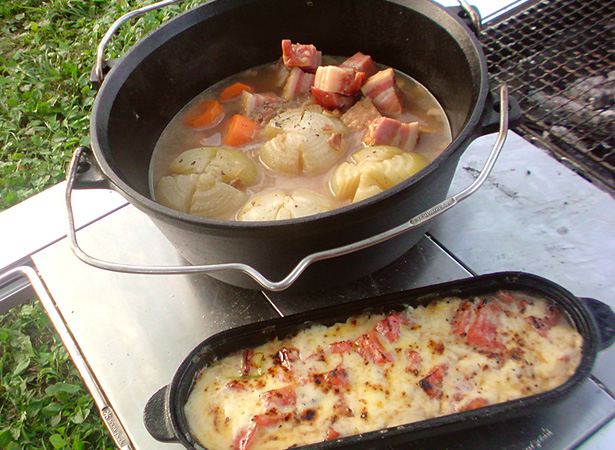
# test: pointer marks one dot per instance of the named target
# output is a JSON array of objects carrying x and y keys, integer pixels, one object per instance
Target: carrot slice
[
  {"x": 234, "y": 91},
  {"x": 241, "y": 130},
  {"x": 205, "y": 114}
]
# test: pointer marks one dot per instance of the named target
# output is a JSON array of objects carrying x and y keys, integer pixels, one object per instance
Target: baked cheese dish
[{"x": 382, "y": 370}]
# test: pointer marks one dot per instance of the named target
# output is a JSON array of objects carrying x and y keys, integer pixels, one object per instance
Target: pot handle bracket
[
  {"x": 88, "y": 174},
  {"x": 469, "y": 14},
  {"x": 287, "y": 281},
  {"x": 491, "y": 117}
]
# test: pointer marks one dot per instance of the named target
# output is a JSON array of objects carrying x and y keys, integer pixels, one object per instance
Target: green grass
[
  {"x": 43, "y": 402},
  {"x": 47, "y": 50}
]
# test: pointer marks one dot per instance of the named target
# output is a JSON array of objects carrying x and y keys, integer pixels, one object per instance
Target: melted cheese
[{"x": 339, "y": 394}]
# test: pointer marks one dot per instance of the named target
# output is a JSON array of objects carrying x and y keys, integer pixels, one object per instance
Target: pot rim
[{"x": 119, "y": 73}]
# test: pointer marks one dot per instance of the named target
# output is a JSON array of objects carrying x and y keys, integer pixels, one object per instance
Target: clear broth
[{"x": 419, "y": 105}]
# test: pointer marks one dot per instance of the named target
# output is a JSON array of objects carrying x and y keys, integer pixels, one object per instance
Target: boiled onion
[{"x": 373, "y": 170}]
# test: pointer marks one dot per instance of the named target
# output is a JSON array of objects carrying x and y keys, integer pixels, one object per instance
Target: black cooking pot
[
  {"x": 168, "y": 68},
  {"x": 164, "y": 413}
]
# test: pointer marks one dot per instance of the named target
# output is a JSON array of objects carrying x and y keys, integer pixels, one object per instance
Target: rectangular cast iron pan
[{"x": 164, "y": 413}]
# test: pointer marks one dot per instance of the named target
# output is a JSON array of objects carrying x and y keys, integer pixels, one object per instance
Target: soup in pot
[{"x": 300, "y": 136}]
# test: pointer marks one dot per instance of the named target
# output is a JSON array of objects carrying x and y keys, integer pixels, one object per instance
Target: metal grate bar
[{"x": 558, "y": 59}]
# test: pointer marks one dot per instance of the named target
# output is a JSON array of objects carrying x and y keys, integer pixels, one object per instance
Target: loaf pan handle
[
  {"x": 157, "y": 417},
  {"x": 287, "y": 281},
  {"x": 605, "y": 320}
]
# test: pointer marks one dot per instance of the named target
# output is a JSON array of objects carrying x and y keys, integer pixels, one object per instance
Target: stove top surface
[{"x": 533, "y": 215}]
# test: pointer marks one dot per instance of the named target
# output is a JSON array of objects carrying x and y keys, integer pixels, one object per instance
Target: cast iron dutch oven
[
  {"x": 164, "y": 413},
  {"x": 149, "y": 85}
]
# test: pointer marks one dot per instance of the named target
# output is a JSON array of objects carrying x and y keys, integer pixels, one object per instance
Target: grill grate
[{"x": 558, "y": 59}]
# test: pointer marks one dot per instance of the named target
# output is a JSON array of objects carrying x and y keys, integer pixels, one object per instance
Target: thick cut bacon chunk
[
  {"x": 370, "y": 347},
  {"x": 432, "y": 384},
  {"x": 340, "y": 80},
  {"x": 303, "y": 56},
  {"x": 387, "y": 131},
  {"x": 361, "y": 63},
  {"x": 382, "y": 89},
  {"x": 297, "y": 83},
  {"x": 332, "y": 100},
  {"x": 390, "y": 327},
  {"x": 259, "y": 107},
  {"x": 360, "y": 114}
]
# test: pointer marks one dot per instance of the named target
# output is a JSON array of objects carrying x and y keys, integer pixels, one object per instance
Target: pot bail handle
[
  {"x": 98, "y": 74},
  {"x": 287, "y": 281}
]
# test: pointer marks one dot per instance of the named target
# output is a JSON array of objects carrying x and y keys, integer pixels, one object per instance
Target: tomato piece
[
  {"x": 543, "y": 324},
  {"x": 475, "y": 403},
  {"x": 341, "y": 347},
  {"x": 332, "y": 434},
  {"x": 271, "y": 417},
  {"x": 342, "y": 409},
  {"x": 414, "y": 361},
  {"x": 463, "y": 317},
  {"x": 338, "y": 376},
  {"x": 478, "y": 322},
  {"x": 370, "y": 347},
  {"x": 245, "y": 437},
  {"x": 280, "y": 397},
  {"x": 390, "y": 327},
  {"x": 433, "y": 383},
  {"x": 505, "y": 296},
  {"x": 483, "y": 330},
  {"x": 235, "y": 385}
]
